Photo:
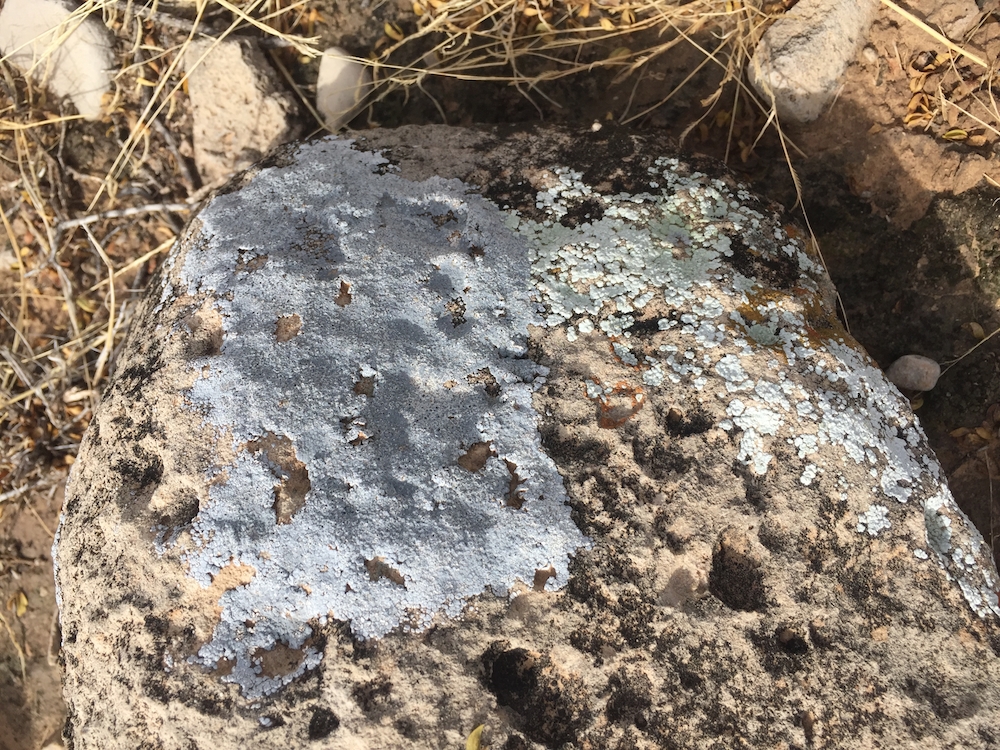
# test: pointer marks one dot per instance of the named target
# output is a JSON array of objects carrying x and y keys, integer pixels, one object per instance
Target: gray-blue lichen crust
[{"x": 403, "y": 388}]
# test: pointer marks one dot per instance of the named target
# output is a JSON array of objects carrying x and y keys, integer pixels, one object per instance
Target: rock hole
[
  {"x": 278, "y": 661},
  {"x": 365, "y": 385},
  {"x": 541, "y": 576},
  {"x": 322, "y": 724},
  {"x": 457, "y": 309},
  {"x": 206, "y": 332},
  {"x": 791, "y": 641},
  {"x": 293, "y": 477},
  {"x": 288, "y": 327},
  {"x": 378, "y": 568},
  {"x": 344, "y": 297},
  {"x": 255, "y": 262},
  {"x": 476, "y": 457},
  {"x": 736, "y": 578}
]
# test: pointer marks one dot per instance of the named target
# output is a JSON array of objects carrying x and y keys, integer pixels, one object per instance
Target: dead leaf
[
  {"x": 474, "y": 741},
  {"x": 17, "y": 603}
]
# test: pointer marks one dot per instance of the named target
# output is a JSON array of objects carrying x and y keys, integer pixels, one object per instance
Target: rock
[
  {"x": 955, "y": 17},
  {"x": 239, "y": 112},
  {"x": 801, "y": 58},
  {"x": 351, "y": 484},
  {"x": 342, "y": 86},
  {"x": 69, "y": 52},
  {"x": 914, "y": 373}
]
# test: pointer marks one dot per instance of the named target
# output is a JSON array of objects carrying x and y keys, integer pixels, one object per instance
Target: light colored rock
[
  {"x": 914, "y": 372},
  {"x": 324, "y": 496},
  {"x": 801, "y": 58},
  {"x": 239, "y": 112},
  {"x": 342, "y": 87},
  {"x": 68, "y": 52},
  {"x": 955, "y": 18}
]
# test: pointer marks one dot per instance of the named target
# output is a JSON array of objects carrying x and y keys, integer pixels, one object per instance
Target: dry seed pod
[{"x": 913, "y": 372}]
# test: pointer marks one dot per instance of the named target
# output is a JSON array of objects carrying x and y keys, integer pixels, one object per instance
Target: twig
[
  {"x": 41, "y": 522},
  {"x": 16, "y": 492},
  {"x": 978, "y": 344},
  {"x": 109, "y": 336},
  {"x": 121, "y": 213}
]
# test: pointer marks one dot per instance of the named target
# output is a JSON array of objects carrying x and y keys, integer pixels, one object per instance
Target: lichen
[
  {"x": 378, "y": 395},
  {"x": 406, "y": 390},
  {"x": 681, "y": 249}
]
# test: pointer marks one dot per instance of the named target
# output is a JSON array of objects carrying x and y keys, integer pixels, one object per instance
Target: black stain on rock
[
  {"x": 373, "y": 694},
  {"x": 631, "y": 696},
  {"x": 660, "y": 458},
  {"x": 322, "y": 724},
  {"x": 778, "y": 271}
]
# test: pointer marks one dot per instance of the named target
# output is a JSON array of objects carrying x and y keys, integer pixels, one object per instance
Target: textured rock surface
[
  {"x": 350, "y": 487},
  {"x": 71, "y": 54},
  {"x": 239, "y": 112},
  {"x": 802, "y": 57}
]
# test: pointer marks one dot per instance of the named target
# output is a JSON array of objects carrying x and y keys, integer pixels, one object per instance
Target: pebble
[
  {"x": 914, "y": 373},
  {"x": 77, "y": 66},
  {"x": 342, "y": 87}
]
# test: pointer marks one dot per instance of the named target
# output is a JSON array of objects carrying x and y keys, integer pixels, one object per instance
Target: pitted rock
[{"x": 550, "y": 431}]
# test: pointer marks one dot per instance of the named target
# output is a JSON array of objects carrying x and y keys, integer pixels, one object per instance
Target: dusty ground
[{"x": 906, "y": 218}]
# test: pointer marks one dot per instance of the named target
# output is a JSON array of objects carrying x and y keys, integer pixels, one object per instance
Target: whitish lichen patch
[
  {"x": 681, "y": 250},
  {"x": 373, "y": 372}
]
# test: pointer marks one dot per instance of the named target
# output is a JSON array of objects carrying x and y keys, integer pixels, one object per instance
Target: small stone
[
  {"x": 914, "y": 373},
  {"x": 239, "y": 112},
  {"x": 70, "y": 54},
  {"x": 801, "y": 59},
  {"x": 342, "y": 87}
]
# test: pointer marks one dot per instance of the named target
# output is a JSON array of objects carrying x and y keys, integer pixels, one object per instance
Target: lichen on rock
[{"x": 556, "y": 433}]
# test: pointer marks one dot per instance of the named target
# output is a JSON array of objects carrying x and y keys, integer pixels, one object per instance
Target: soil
[{"x": 906, "y": 219}]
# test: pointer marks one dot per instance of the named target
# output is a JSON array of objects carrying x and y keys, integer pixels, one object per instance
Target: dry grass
[{"x": 87, "y": 209}]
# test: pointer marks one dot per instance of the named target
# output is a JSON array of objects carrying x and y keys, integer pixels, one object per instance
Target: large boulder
[{"x": 547, "y": 431}]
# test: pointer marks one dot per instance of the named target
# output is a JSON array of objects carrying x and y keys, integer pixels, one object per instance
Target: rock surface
[
  {"x": 801, "y": 58},
  {"x": 239, "y": 112},
  {"x": 351, "y": 487},
  {"x": 69, "y": 52}
]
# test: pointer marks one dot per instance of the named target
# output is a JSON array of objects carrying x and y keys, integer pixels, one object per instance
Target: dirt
[{"x": 906, "y": 219}]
